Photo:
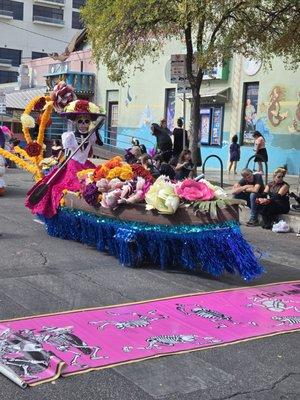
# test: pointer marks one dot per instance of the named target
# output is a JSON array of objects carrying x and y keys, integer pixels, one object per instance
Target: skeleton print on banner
[
  {"x": 36, "y": 348},
  {"x": 138, "y": 321},
  {"x": 26, "y": 357},
  {"x": 156, "y": 342},
  {"x": 288, "y": 320},
  {"x": 274, "y": 305},
  {"x": 63, "y": 339}
]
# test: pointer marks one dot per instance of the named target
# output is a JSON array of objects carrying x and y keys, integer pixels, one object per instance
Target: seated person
[
  {"x": 162, "y": 168},
  {"x": 276, "y": 200},
  {"x": 145, "y": 161},
  {"x": 185, "y": 166},
  {"x": 132, "y": 155},
  {"x": 249, "y": 188}
]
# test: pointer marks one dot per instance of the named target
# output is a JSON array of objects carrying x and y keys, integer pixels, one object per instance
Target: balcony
[
  {"x": 82, "y": 82},
  {"x": 6, "y": 14},
  {"x": 48, "y": 21},
  {"x": 5, "y": 63},
  {"x": 54, "y": 3}
]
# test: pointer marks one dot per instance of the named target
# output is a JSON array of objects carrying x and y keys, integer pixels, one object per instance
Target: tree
[{"x": 123, "y": 33}]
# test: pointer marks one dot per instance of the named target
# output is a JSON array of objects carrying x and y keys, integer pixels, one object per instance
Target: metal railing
[
  {"x": 265, "y": 162},
  {"x": 60, "y": 2},
  {"x": 48, "y": 20},
  {"x": 6, "y": 13},
  {"x": 221, "y": 164},
  {"x": 5, "y": 61}
]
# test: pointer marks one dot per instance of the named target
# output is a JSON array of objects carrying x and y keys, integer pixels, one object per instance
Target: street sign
[
  {"x": 179, "y": 74},
  {"x": 2, "y": 103},
  {"x": 178, "y": 68}
]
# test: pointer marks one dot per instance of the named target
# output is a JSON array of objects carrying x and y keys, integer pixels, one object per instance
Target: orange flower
[{"x": 114, "y": 162}]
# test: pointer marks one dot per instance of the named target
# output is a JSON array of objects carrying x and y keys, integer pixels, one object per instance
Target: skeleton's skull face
[{"x": 83, "y": 123}]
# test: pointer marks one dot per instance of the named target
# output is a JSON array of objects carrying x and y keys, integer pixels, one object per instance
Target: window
[
  {"x": 10, "y": 54},
  {"x": 78, "y": 3},
  {"x": 37, "y": 54},
  {"x": 249, "y": 114},
  {"x": 211, "y": 125},
  {"x": 76, "y": 21},
  {"x": 47, "y": 12},
  {"x": 8, "y": 76},
  {"x": 170, "y": 108},
  {"x": 15, "y": 7}
]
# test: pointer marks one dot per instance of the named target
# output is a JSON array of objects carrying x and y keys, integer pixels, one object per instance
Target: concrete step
[{"x": 292, "y": 219}]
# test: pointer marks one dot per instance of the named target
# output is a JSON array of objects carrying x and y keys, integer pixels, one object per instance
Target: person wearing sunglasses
[
  {"x": 82, "y": 113},
  {"x": 275, "y": 200}
]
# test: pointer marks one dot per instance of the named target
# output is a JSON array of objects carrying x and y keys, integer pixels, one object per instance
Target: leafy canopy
[{"x": 124, "y": 32}]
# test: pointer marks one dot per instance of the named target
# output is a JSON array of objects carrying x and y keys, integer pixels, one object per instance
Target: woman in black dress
[
  {"x": 260, "y": 150},
  {"x": 276, "y": 200}
]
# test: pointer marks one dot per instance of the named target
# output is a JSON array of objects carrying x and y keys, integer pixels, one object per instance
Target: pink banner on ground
[{"x": 40, "y": 348}]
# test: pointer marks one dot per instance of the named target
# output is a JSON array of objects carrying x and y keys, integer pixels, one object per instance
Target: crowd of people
[{"x": 172, "y": 157}]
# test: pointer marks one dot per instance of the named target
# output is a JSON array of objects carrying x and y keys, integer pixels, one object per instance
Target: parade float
[
  {"x": 190, "y": 224},
  {"x": 120, "y": 209}
]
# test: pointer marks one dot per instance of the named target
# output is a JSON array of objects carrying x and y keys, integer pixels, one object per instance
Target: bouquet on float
[{"x": 114, "y": 183}]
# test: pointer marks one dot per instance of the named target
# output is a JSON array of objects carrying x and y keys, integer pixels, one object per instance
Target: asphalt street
[{"x": 40, "y": 274}]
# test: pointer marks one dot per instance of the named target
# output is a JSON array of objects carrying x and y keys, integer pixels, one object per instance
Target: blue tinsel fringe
[{"x": 213, "y": 248}]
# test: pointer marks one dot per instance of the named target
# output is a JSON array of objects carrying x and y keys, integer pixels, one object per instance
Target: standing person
[
  {"x": 178, "y": 138},
  {"x": 185, "y": 167},
  {"x": 235, "y": 154},
  {"x": 276, "y": 201},
  {"x": 164, "y": 126},
  {"x": 249, "y": 188},
  {"x": 163, "y": 142},
  {"x": 260, "y": 150},
  {"x": 82, "y": 113}
]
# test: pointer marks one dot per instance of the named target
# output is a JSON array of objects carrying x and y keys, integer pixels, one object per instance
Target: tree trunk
[{"x": 195, "y": 125}]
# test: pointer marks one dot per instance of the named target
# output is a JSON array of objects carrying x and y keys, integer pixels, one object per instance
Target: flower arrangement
[
  {"x": 62, "y": 95},
  {"x": 114, "y": 168},
  {"x": 82, "y": 106},
  {"x": 162, "y": 196},
  {"x": 33, "y": 149},
  {"x": 139, "y": 170},
  {"x": 191, "y": 190}
]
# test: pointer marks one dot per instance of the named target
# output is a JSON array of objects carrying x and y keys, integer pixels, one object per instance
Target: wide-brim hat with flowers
[{"x": 82, "y": 107}]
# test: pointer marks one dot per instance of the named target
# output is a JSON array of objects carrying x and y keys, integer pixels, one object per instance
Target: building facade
[
  {"x": 32, "y": 29},
  {"x": 239, "y": 100}
]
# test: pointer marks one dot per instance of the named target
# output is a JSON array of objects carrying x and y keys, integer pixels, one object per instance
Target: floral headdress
[{"x": 82, "y": 107}]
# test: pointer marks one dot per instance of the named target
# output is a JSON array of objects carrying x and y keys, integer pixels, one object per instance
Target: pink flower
[{"x": 192, "y": 190}]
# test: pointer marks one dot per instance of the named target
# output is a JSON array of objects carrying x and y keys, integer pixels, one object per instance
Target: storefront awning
[
  {"x": 19, "y": 99},
  {"x": 216, "y": 94}
]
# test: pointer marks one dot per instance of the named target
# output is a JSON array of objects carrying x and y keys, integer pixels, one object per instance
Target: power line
[
  {"x": 34, "y": 33},
  {"x": 39, "y": 34}
]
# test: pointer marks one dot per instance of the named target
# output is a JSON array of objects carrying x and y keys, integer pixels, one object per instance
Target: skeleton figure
[
  {"x": 141, "y": 321},
  {"x": 169, "y": 340},
  {"x": 64, "y": 340},
  {"x": 275, "y": 305},
  {"x": 288, "y": 320},
  {"x": 211, "y": 315},
  {"x": 25, "y": 357}
]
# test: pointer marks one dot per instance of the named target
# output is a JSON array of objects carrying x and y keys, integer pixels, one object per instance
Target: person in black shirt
[
  {"x": 276, "y": 199},
  {"x": 163, "y": 142},
  {"x": 185, "y": 167},
  {"x": 160, "y": 167},
  {"x": 249, "y": 188},
  {"x": 178, "y": 138}
]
